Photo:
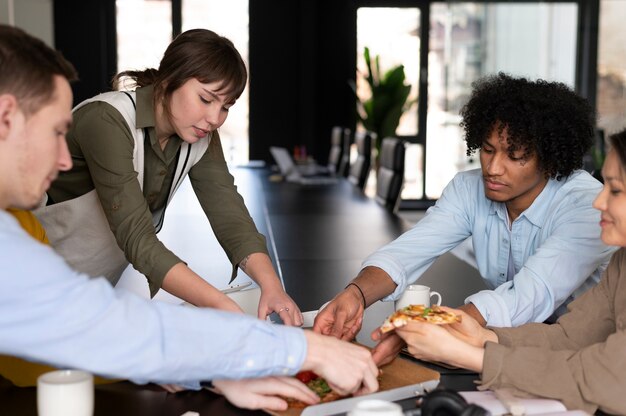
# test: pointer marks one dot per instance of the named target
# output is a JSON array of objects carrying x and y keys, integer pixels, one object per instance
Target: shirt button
[
  {"x": 250, "y": 363},
  {"x": 163, "y": 172},
  {"x": 290, "y": 359},
  {"x": 285, "y": 371},
  {"x": 115, "y": 207}
]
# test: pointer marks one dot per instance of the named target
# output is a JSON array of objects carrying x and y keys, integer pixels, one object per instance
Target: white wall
[{"x": 34, "y": 16}]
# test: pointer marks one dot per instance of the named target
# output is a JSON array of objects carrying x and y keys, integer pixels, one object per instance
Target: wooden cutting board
[{"x": 399, "y": 373}]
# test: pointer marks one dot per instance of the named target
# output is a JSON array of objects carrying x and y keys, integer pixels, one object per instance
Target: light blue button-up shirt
[
  {"x": 555, "y": 246},
  {"x": 51, "y": 314}
]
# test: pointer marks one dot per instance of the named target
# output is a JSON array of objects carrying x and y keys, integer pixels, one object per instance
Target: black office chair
[
  {"x": 336, "y": 148},
  {"x": 390, "y": 177},
  {"x": 344, "y": 163},
  {"x": 360, "y": 169},
  {"x": 335, "y": 156}
]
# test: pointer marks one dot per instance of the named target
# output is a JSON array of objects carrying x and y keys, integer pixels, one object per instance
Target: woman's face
[
  {"x": 198, "y": 109},
  {"x": 612, "y": 202}
]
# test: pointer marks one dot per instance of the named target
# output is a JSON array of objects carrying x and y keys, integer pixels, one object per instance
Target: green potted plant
[{"x": 381, "y": 111}]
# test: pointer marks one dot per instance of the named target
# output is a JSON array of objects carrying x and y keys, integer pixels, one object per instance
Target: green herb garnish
[
  {"x": 426, "y": 312},
  {"x": 319, "y": 386}
]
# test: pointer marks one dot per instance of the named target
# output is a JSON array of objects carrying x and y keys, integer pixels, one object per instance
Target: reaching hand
[
  {"x": 347, "y": 368},
  {"x": 225, "y": 303},
  {"x": 387, "y": 349},
  {"x": 172, "y": 388},
  {"x": 342, "y": 317},
  {"x": 432, "y": 342},
  {"x": 469, "y": 329},
  {"x": 276, "y": 300},
  {"x": 265, "y": 393}
]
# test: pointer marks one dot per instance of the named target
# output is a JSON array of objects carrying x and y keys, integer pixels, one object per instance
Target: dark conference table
[{"x": 318, "y": 236}]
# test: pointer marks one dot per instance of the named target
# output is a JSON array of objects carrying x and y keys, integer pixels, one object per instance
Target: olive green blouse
[{"x": 101, "y": 145}]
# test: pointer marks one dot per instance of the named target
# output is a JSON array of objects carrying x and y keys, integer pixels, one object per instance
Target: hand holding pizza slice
[{"x": 433, "y": 314}]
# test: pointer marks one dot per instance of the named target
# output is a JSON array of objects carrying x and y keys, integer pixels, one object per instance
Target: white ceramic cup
[
  {"x": 65, "y": 393},
  {"x": 374, "y": 407},
  {"x": 308, "y": 318},
  {"x": 417, "y": 295}
]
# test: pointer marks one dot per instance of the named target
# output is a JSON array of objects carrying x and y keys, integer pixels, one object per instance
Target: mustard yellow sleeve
[{"x": 30, "y": 224}]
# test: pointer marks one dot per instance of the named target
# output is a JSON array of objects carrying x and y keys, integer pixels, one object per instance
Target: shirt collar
[
  {"x": 145, "y": 114},
  {"x": 535, "y": 213},
  {"x": 145, "y": 107}
]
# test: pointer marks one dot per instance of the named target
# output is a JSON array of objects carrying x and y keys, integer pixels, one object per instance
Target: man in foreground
[
  {"x": 51, "y": 314},
  {"x": 528, "y": 211}
]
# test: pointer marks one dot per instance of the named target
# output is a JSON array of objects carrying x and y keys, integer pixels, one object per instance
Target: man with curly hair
[{"x": 527, "y": 210}]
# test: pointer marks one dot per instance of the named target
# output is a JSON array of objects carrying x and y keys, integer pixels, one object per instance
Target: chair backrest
[
  {"x": 360, "y": 169},
  {"x": 336, "y": 148},
  {"x": 339, "y": 156},
  {"x": 344, "y": 163},
  {"x": 390, "y": 177}
]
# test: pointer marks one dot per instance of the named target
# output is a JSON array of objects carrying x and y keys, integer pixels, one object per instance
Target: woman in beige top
[{"x": 580, "y": 360}]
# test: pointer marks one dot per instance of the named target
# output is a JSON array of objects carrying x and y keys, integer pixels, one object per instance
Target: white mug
[
  {"x": 65, "y": 393},
  {"x": 308, "y": 319},
  {"x": 417, "y": 295},
  {"x": 374, "y": 407}
]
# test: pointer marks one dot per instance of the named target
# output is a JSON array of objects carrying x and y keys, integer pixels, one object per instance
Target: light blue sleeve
[
  {"x": 571, "y": 254},
  {"x": 444, "y": 226},
  {"x": 48, "y": 313}
]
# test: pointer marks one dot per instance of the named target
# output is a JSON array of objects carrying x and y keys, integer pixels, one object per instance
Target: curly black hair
[{"x": 540, "y": 117}]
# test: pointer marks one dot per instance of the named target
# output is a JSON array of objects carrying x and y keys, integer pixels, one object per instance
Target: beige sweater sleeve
[{"x": 581, "y": 360}]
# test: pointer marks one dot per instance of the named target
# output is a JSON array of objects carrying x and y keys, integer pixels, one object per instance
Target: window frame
[{"x": 585, "y": 71}]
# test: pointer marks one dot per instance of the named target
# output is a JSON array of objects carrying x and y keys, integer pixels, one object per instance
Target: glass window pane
[
  {"x": 469, "y": 40},
  {"x": 392, "y": 34},
  {"x": 611, "y": 97},
  {"x": 229, "y": 19},
  {"x": 141, "y": 46}
]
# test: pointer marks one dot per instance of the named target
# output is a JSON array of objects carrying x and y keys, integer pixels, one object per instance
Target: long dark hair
[
  {"x": 618, "y": 144},
  {"x": 196, "y": 53}
]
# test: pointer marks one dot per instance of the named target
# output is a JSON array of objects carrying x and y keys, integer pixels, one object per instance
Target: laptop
[{"x": 290, "y": 170}]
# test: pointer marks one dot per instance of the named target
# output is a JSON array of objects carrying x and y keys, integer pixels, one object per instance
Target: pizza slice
[
  {"x": 318, "y": 385},
  {"x": 433, "y": 314}
]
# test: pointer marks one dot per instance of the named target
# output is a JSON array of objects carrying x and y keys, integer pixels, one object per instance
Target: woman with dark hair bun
[
  {"x": 581, "y": 359},
  {"x": 130, "y": 153}
]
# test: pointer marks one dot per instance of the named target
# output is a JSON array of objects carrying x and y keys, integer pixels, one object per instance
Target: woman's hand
[
  {"x": 173, "y": 388},
  {"x": 469, "y": 329},
  {"x": 226, "y": 304},
  {"x": 432, "y": 342},
  {"x": 265, "y": 393},
  {"x": 274, "y": 299}
]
